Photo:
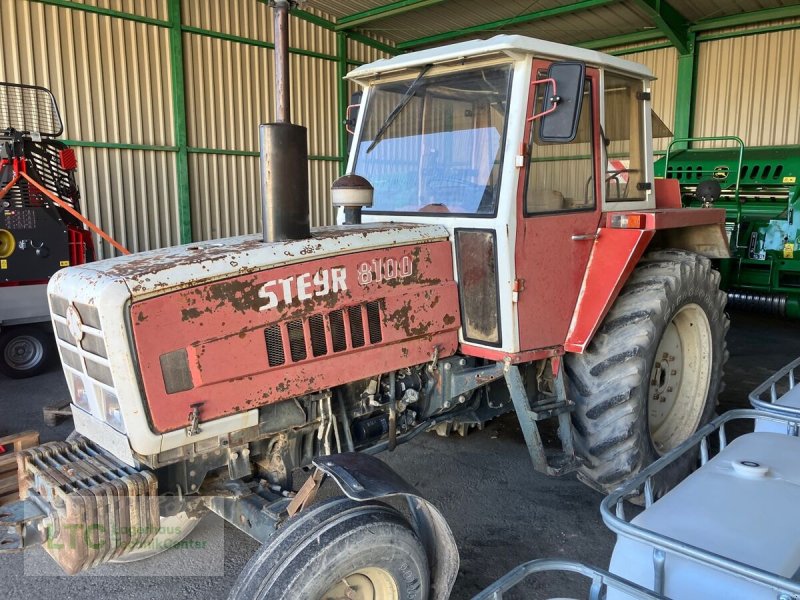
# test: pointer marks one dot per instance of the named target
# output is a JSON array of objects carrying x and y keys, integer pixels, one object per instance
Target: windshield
[{"x": 435, "y": 143}]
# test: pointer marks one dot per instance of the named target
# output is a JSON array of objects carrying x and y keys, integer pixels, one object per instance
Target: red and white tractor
[{"x": 499, "y": 265}]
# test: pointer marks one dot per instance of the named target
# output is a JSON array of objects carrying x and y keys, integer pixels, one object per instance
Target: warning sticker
[
  {"x": 788, "y": 250},
  {"x": 791, "y": 179},
  {"x": 63, "y": 263},
  {"x": 3, "y": 264}
]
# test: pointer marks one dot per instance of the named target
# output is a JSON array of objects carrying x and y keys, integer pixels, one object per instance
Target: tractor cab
[{"x": 517, "y": 146}]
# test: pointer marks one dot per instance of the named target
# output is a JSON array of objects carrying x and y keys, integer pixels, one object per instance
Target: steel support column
[
  {"x": 179, "y": 120},
  {"x": 685, "y": 92}
]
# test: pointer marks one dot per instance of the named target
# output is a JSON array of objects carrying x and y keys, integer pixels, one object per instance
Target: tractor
[{"x": 487, "y": 262}]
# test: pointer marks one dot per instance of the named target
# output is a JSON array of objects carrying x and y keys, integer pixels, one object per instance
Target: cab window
[
  {"x": 623, "y": 139},
  {"x": 560, "y": 177}
]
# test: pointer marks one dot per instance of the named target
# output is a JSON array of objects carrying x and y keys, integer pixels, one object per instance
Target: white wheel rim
[
  {"x": 680, "y": 378},
  {"x": 23, "y": 352},
  {"x": 370, "y": 583}
]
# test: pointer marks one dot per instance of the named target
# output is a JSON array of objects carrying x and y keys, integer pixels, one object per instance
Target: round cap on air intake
[{"x": 352, "y": 192}]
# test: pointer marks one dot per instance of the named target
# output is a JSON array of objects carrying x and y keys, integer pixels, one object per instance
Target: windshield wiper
[{"x": 399, "y": 108}]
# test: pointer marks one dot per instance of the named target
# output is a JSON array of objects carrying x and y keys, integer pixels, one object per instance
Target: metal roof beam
[
  {"x": 381, "y": 12},
  {"x": 671, "y": 23},
  {"x": 623, "y": 40},
  {"x": 502, "y": 23},
  {"x": 748, "y": 18}
]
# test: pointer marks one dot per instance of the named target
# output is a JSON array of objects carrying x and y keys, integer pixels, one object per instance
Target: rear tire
[
  {"x": 338, "y": 547},
  {"x": 652, "y": 373},
  {"x": 25, "y": 351}
]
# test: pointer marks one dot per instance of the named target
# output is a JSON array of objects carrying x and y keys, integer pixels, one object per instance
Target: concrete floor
[{"x": 501, "y": 512}]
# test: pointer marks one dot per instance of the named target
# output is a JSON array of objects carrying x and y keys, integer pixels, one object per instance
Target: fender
[
  {"x": 617, "y": 251},
  {"x": 363, "y": 477}
]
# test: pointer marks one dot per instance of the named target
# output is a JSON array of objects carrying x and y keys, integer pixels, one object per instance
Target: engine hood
[{"x": 157, "y": 272}]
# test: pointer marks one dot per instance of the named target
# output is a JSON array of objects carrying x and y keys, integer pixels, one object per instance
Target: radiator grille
[
  {"x": 321, "y": 334},
  {"x": 88, "y": 357}
]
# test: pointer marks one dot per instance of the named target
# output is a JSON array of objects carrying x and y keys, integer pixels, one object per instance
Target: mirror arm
[{"x": 555, "y": 98}]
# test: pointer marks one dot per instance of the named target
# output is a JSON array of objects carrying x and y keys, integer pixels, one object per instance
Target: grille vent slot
[
  {"x": 272, "y": 334},
  {"x": 374, "y": 322},
  {"x": 316, "y": 324},
  {"x": 297, "y": 340},
  {"x": 356, "y": 326},
  {"x": 319, "y": 335},
  {"x": 337, "y": 331}
]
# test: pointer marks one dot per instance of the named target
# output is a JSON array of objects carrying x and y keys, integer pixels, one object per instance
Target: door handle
[{"x": 585, "y": 236}]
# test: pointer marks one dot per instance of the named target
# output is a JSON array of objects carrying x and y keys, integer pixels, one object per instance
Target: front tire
[
  {"x": 339, "y": 549},
  {"x": 25, "y": 351},
  {"x": 652, "y": 373}
]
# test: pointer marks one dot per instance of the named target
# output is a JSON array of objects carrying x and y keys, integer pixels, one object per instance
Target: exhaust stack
[{"x": 284, "y": 151}]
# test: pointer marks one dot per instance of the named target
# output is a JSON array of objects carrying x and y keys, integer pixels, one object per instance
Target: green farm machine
[{"x": 759, "y": 188}]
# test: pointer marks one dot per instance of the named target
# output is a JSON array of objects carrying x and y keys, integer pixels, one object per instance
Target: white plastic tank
[{"x": 741, "y": 505}]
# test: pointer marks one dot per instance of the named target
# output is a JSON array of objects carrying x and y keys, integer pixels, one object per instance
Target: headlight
[
  {"x": 80, "y": 396},
  {"x": 112, "y": 412}
]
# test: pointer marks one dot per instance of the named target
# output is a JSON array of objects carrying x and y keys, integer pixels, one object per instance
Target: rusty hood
[{"x": 156, "y": 272}]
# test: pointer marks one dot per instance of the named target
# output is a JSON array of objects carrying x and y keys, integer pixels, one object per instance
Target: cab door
[{"x": 558, "y": 214}]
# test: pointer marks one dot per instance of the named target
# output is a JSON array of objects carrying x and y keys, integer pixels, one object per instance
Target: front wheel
[
  {"x": 339, "y": 549},
  {"x": 652, "y": 373}
]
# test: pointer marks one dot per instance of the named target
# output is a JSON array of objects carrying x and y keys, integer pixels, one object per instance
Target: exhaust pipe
[{"x": 284, "y": 151}]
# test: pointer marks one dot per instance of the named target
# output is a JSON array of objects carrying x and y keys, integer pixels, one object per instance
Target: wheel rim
[
  {"x": 23, "y": 352},
  {"x": 370, "y": 583},
  {"x": 680, "y": 378}
]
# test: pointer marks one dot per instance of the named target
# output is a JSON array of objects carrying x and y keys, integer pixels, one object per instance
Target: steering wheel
[{"x": 614, "y": 176}]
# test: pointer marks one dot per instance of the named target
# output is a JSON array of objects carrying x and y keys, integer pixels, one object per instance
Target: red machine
[{"x": 41, "y": 230}]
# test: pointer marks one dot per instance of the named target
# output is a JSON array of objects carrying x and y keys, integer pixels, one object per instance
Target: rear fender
[
  {"x": 363, "y": 477},
  {"x": 616, "y": 252}
]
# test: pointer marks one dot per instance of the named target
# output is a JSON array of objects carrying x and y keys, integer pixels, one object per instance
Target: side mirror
[{"x": 563, "y": 97}]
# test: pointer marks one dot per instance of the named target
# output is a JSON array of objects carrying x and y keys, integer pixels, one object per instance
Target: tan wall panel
[
  {"x": 226, "y": 198},
  {"x": 229, "y": 91},
  {"x": 253, "y": 20},
  {"x": 131, "y": 194},
  {"x": 363, "y": 53},
  {"x": 225, "y": 195},
  {"x": 747, "y": 86},
  {"x": 110, "y": 77},
  {"x": 155, "y": 9}
]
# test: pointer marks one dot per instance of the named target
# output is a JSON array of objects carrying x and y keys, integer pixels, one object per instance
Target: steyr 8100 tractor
[{"x": 502, "y": 264}]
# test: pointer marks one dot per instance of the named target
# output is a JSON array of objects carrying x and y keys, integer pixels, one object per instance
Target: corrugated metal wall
[
  {"x": 109, "y": 68},
  {"x": 229, "y": 91},
  {"x": 110, "y": 78},
  {"x": 108, "y": 63},
  {"x": 747, "y": 86}
]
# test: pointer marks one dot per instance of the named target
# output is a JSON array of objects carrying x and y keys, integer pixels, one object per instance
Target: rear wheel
[
  {"x": 25, "y": 351},
  {"x": 652, "y": 373},
  {"x": 339, "y": 549}
]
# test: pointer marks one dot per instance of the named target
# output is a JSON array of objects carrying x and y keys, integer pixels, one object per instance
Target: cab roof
[{"x": 513, "y": 45}]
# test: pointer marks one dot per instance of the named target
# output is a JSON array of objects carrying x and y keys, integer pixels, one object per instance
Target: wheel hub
[
  {"x": 680, "y": 379},
  {"x": 371, "y": 583}
]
